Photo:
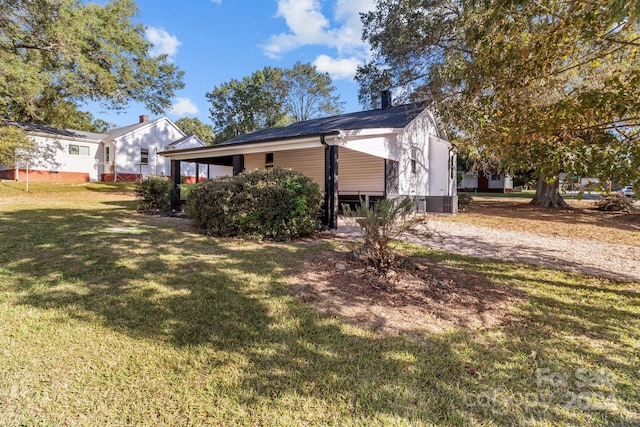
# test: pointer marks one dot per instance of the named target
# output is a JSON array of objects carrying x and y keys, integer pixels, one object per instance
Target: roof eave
[{"x": 279, "y": 144}]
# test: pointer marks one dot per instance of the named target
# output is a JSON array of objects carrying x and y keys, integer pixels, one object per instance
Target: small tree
[
  {"x": 381, "y": 223},
  {"x": 194, "y": 126},
  {"x": 14, "y": 145}
]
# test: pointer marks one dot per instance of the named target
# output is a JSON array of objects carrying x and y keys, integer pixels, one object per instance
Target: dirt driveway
[
  {"x": 581, "y": 240},
  {"x": 614, "y": 261}
]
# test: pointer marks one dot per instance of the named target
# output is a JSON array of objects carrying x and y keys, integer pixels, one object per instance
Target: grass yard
[{"x": 109, "y": 317}]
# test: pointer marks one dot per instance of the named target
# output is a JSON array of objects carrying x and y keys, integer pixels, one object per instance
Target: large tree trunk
[{"x": 548, "y": 195}]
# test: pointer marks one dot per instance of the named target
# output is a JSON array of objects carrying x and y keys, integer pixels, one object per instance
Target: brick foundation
[{"x": 36, "y": 175}]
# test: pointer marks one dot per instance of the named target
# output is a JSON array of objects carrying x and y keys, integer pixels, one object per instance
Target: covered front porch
[{"x": 344, "y": 173}]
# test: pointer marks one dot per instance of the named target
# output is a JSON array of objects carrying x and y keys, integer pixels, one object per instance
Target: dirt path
[{"x": 614, "y": 261}]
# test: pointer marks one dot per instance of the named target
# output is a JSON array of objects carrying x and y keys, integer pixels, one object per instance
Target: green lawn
[{"x": 108, "y": 317}]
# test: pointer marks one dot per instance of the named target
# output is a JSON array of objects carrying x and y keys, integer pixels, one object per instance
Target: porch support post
[
  {"x": 197, "y": 172},
  {"x": 175, "y": 178},
  {"x": 331, "y": 186},
  {"x": 238, "y": 164}
]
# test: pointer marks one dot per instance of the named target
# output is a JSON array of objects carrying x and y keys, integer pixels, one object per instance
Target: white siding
[
  {"x": 52, "y": 154},
  {"x": 441, "y": 181},
  {"x": 496, "y": 181},
  {"x": 415, "y": 135},
  {"x": 433, "y": 159},
  {"x": 154, "y": 138},
  {"x": 469, "y": 180}
]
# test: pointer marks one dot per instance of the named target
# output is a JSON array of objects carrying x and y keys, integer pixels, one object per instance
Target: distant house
[
  {"x": 124, "y": 154},
  {"x": 485, "y": 183},
  {"x": 395, "y": 151}
]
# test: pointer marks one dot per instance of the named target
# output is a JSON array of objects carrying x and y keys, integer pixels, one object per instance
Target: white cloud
[
  {"x": 162, "y": 41},
  {"x": 344, "y": 68},
  {"x": 309, "y": 26},
  {"x": 183, "y": 107}
]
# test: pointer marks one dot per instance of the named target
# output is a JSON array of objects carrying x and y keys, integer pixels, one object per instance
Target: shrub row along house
[
  {"x": 395, "y": 151},
  {"x": 123, "y": 154}
]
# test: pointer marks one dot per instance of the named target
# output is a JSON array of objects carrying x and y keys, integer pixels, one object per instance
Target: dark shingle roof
[
  {"x": 48, "y": 130},
  {"x": 394, "y": 117}
]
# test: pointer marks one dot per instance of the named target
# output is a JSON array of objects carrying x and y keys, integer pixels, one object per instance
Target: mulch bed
[{"x": 419, "y": 294}]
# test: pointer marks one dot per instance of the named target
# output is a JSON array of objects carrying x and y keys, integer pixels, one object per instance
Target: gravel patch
[{"x": 613, "y": 261}]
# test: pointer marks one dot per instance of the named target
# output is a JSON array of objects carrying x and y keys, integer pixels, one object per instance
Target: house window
[
  {"x": 391, "y": 177},
  {"x": 144, "y": 156},
  {"x": 78, "y": 150},
  {"x": 414, "y": 159},
  {"x": 268, "y": 160},
  {"x": 107, "y": 156},
  {"x": 496, "y": 177}
]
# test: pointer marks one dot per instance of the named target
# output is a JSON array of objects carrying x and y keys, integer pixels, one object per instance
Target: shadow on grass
[
  {"x": 145, "y": 277},
  {"x": 510, "y": 209}
]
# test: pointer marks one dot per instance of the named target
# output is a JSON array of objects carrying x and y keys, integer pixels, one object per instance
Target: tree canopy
[
  {"x": 59, "y": 54},
  {"x": 14, "y": 145},
  {"x": 269, "y": 98},
  {"x": 194, "y": 126},
  {"x": 548, "y": 85},
  {"x": 309, "y": 94}
]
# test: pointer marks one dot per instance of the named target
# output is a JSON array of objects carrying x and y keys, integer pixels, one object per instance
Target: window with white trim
[
  {"x": 268, "y": 160},
  {"x": 144, "y": 156},
  {"x": 78, "y": 150}
]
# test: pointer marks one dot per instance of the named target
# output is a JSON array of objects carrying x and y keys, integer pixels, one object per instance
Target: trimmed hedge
[
  {"x": 271, "y": 203},
  {"x": 154, "y": 193}
]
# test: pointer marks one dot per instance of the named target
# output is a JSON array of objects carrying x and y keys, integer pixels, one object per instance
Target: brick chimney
[
  {"x": 144, "y": 118},
  {"x": 385, "y": 96}
]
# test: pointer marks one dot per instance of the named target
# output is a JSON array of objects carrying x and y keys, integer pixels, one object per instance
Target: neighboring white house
[
  {"x": 390, "y": 152},
  {"x": 58, "y": 155},
  {"x": 486, "y": 183},
  {"x": 123, "y": 154}
]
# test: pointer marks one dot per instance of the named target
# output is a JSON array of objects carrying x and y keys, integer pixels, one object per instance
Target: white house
[
  {"x": 486, "y": 183},
  {"x": 124, "y": 154},
  {"x": 390, "y": 152},
  {"x": 58, "y": 155}
]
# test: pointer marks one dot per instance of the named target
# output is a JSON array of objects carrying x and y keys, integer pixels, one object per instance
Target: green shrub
[
  {"x": 464, "y": 201},
  {"x": 154, "y": 193},
  {"x": 381, "y": 223},
  {"x": 271, "y": 203}
]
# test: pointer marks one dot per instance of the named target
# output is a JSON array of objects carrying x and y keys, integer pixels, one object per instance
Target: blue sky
[{"x": 215, "y": 41}]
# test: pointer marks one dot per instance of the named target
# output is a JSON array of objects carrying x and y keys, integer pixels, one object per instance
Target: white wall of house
[
  {"x": 154, "y": 137},
  {"x": 500, "y": 182},
  {"x": 64, "y": 155},
  {"x": 425, "y": 160},
  {"x": 469, "y": 180},
  {"x": 442, "y": 172}
]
